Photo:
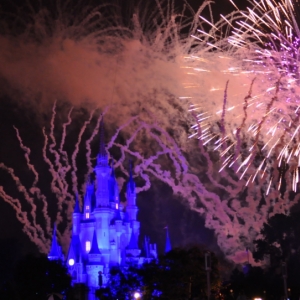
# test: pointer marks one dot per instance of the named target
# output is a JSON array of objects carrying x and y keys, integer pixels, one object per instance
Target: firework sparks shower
[{"x": 257, "y": 51}]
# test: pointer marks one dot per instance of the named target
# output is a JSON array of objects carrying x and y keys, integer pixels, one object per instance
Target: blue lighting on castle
[{"x": 105, "y": 233}]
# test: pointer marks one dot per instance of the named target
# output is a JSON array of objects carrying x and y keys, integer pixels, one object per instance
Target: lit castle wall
[{"x": 104, "y": 233}]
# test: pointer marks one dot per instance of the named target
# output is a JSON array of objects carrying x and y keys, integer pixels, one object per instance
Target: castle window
[
  {"x": 87, "y": 215},
  {"x": 87, "y": 246},
  {"x": 117, "y": 205},
  {"x": 87, "y": 207}
]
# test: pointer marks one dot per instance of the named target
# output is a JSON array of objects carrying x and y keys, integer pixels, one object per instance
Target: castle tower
[{"x": 104, "y": 234}]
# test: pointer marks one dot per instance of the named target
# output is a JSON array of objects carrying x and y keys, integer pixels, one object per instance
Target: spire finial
[
  {"x": 102, "y": 150},
  {"x": 131, "y": 181},
  {"x": 102, "y": 159}
]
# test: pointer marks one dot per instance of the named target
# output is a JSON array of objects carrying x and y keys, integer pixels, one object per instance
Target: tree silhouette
[{"x": 36, "y": 278}]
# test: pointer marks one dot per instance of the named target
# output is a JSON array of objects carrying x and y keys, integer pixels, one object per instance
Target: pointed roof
[
  {"x": 90, "y": 182},
  {"x": 76, "y": 208},
  {"x": 133, "y": 242},
  {"x": 72, "y": 253},
  {"x": 168, "y": 246},
  {"x": 55, "y": 251},
  {"x": 131, "y": 183},
  {"x": 94, "y": 248},
  {"x": 75, "y": 250}
]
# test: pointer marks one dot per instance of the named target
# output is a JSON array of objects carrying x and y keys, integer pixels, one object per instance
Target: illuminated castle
[{"x": 104, "y": 234}]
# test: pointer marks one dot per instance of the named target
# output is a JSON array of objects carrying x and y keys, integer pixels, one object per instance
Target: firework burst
[{"x": 254, "y": 56}]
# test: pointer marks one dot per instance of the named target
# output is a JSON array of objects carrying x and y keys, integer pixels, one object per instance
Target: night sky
[{"x": 159, "y": 207}]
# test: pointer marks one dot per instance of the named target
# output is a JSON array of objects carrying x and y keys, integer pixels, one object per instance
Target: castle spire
[
  {"x": 131, "y": 183},
  {"x": 55, "y": 251},
  {"x": 102, "y": 156},
  {"x": 76, "y": 208},
  {"x": 94, "y": 254},
  {"x": 168, "y": 246},
  {"x": 102, "y": 170}
]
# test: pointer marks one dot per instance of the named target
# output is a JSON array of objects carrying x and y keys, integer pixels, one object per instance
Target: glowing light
[
  {"x": 71, "y": 262},
  {"x": 87, "y": 246},
  {"x": 137, "y": 295}
]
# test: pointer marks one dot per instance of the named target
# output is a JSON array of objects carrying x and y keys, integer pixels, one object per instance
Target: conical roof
[
  {"x": 55, "y": 251},
  {"x": 94, "y": 248},
  {"x": 133, "y": 242}
]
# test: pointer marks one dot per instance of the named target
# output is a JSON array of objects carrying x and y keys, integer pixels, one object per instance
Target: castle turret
[
  {"x": 103, "y": 172},
  {"x": 76, "y": 217}
]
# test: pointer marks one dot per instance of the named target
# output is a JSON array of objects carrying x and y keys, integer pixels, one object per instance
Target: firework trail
[
  {"x": 219, "y": 199},
  {"x": 148, "y": 71},
  {"x": 75, "y": 153}
]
